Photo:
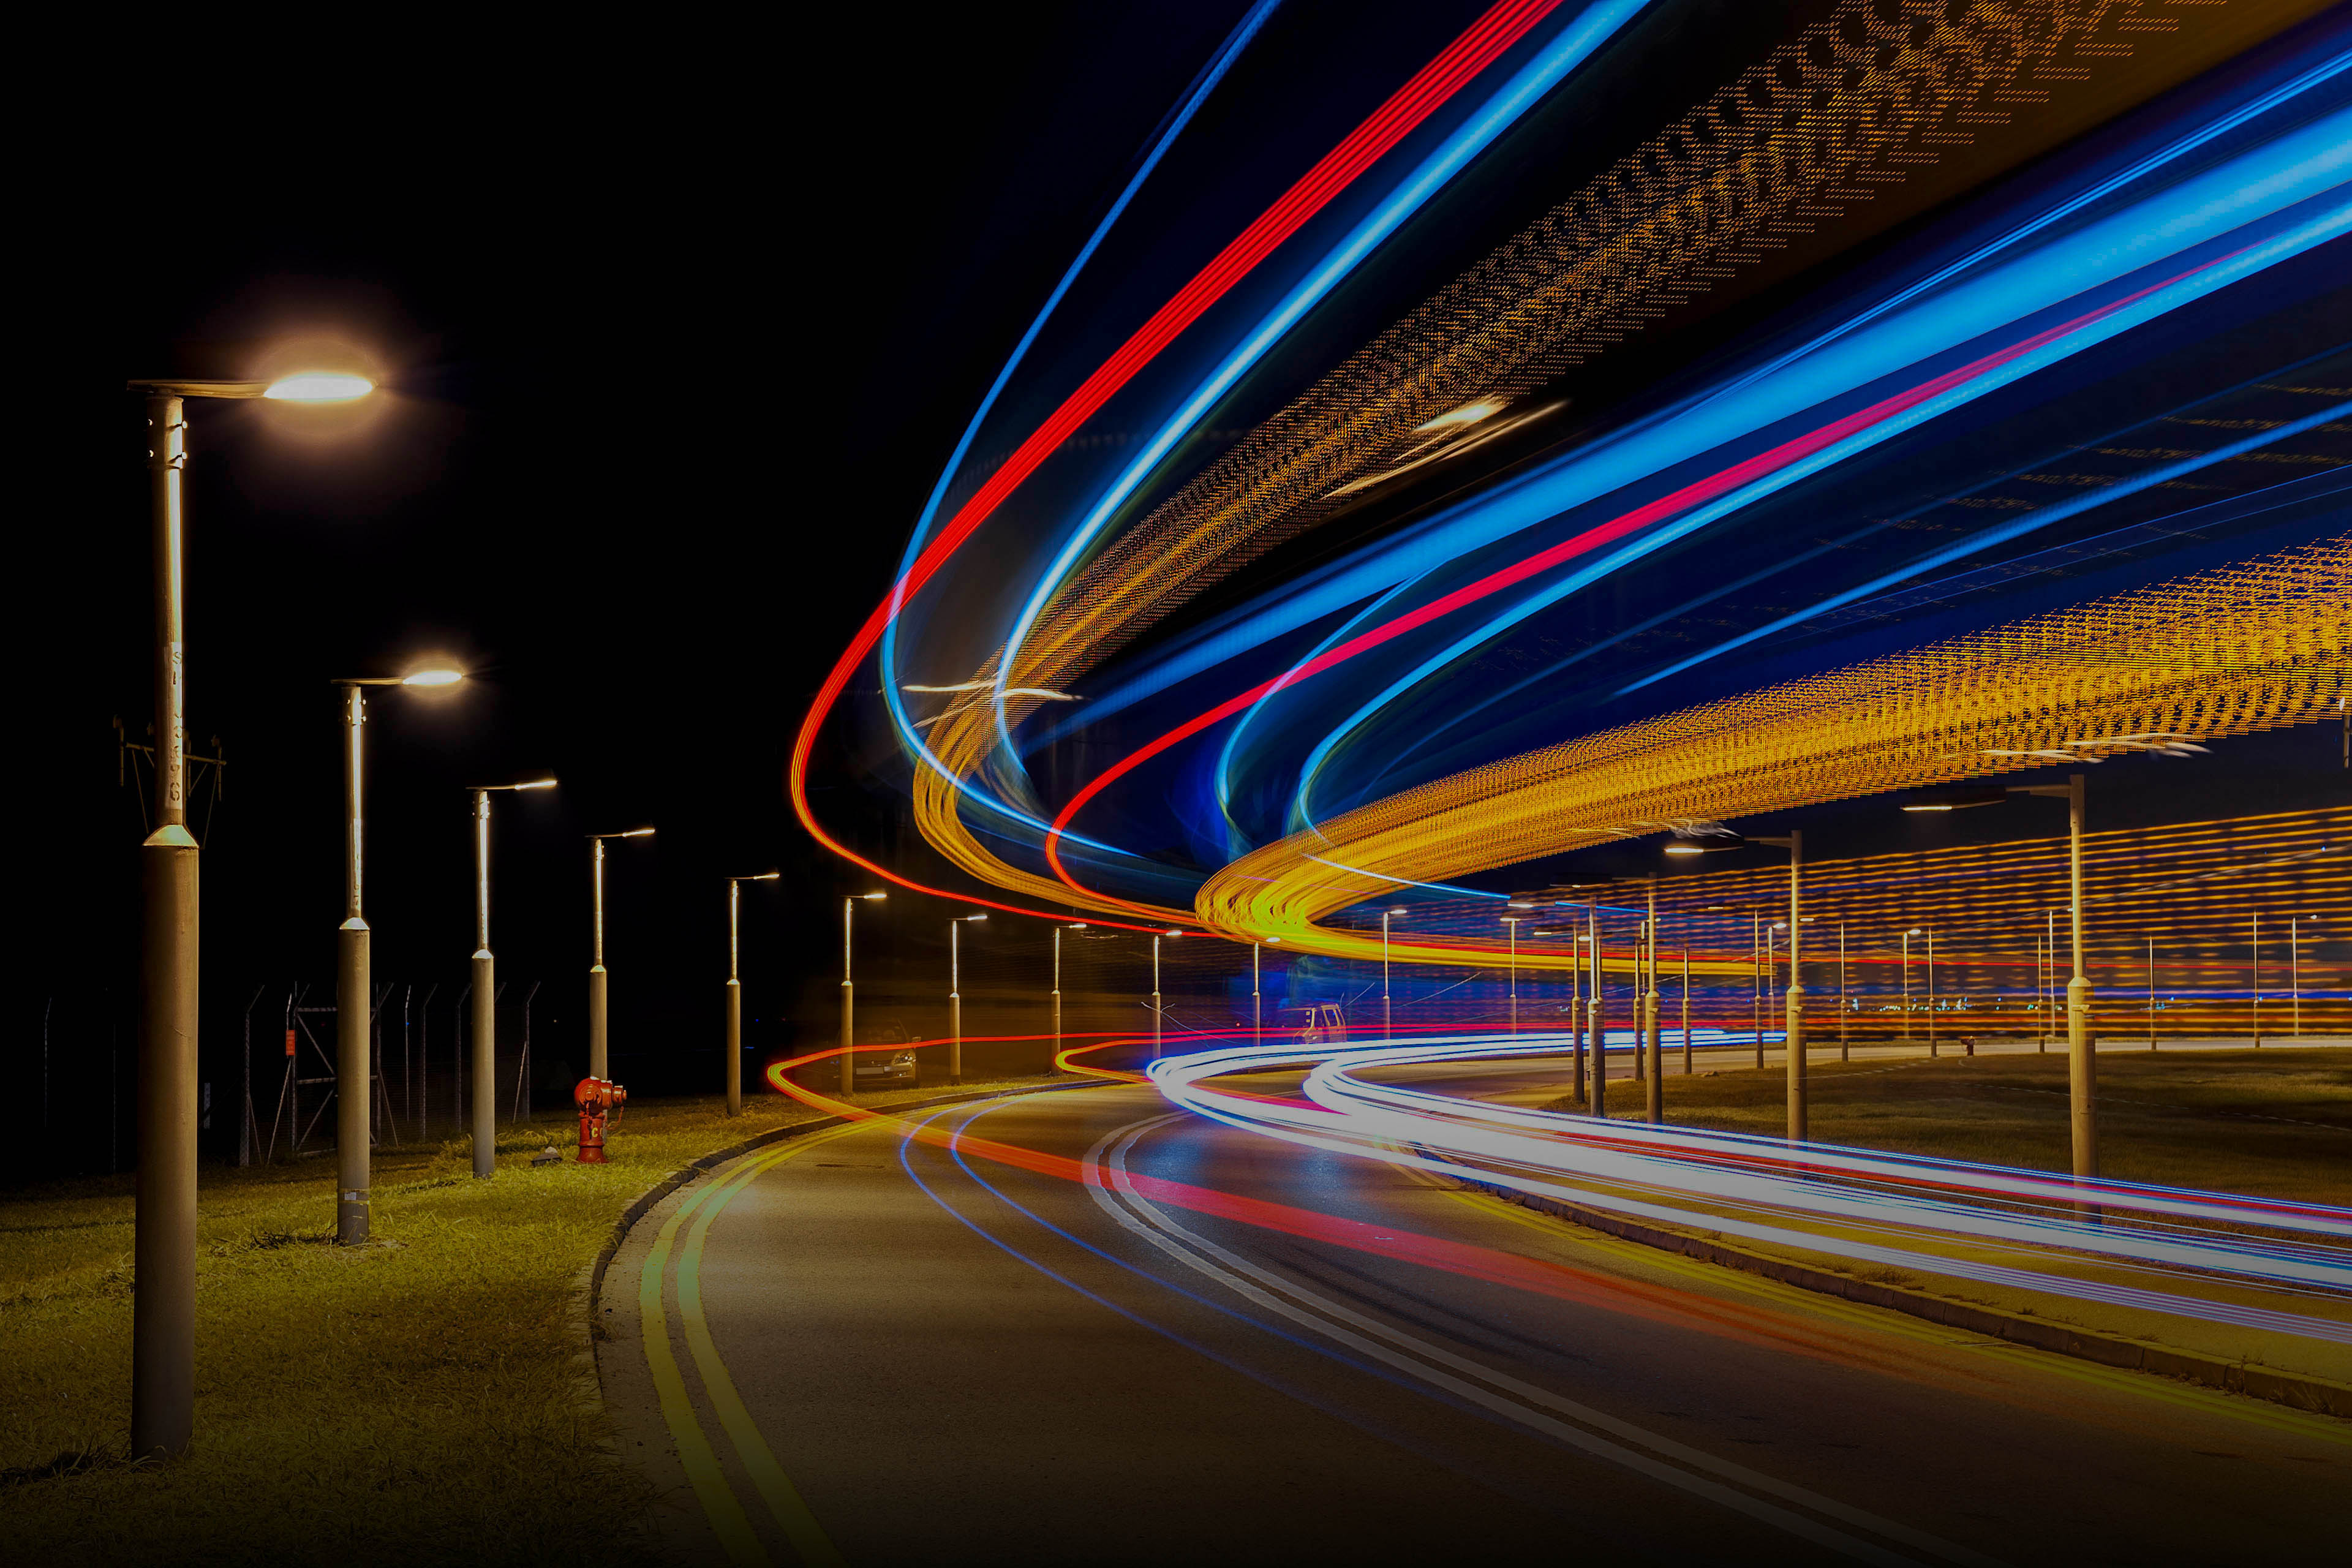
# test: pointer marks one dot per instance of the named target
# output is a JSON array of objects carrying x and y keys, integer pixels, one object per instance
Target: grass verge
[
  {"x": 2271, "y": 1123},
  {"x": 419, "y": 1400}
]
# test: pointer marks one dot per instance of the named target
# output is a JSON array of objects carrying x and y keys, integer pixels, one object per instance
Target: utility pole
[{"x": 734, "y": 989}]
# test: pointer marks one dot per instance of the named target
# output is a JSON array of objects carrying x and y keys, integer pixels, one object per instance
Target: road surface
[{"x": 859, "y": 1346}]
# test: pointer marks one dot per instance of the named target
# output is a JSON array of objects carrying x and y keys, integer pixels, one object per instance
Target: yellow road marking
[
  {"x": 711, "y": 1488},
  {"x": 2146, "y": 1385},
  {"x": 693, "y": 1451},
  {"x": 785, "y": 1503}
]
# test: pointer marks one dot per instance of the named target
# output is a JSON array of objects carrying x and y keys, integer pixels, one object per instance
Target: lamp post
[
  {"x": 598, "y": 1058},
  {"x": 1905, "y": 977},
  {"x": 1074, "y": 925},
  {"x": 1652, "y": 1043},
  {"x": 2082, "y": 1069},
  {"x": 1595, "y": 1024},
  {"x": 1155, "y": 989},
  {"x": 1513, "y": 971},
  {"x": 734, "y": 987},
  {"x": 955, "y": 995},
  {"x": 163, "y": 1249},
  {"x": 1388, "y": 1024},
  {"x": 1793, "y": 1024},
  {"x": 483, "y": 1072},
  {"x": 354, "y": 995},
  {"x": 1257, "y": 1003},
  {"x": 848, "y": 908},
  {"x": 1845, "y": 1051}
]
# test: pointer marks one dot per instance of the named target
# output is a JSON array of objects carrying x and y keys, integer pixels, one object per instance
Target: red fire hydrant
[{"x": 597, "y": 1099}]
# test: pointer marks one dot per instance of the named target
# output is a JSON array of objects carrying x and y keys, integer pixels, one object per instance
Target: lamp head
[
  {"x": 433, "y": 676},
  {"x": 318, "y": 387},
  {"x": 1954, "y": 799}
]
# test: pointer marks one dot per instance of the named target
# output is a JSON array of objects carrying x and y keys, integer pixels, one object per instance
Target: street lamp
[
  {"x": 1905, "y": 977},
  {"x": 848, "y": 908},
  {"x": 1388, "y": 1016},
  {"x": 164, "y": 1249},
  {"x": 353, "y": 991},
  {"x": 734, "y": 988},
  {"x": 597, "y": 1056},
  {"x": 485, "y": 993},
  {"x": 1156, "y": 1010},
  {"x": 1257, "y": 1002},
  {"x": 955, "y": 995},
  {"x": 1073, "y": 925},
  {"x": 2082, "y": 1070},
  {"x": 1512, "y": 971}
]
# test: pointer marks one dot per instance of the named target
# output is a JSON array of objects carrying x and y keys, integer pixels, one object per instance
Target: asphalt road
[{"x": 889, "y": 1352}]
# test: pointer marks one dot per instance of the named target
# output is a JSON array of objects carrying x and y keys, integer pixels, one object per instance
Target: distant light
[
  {"x": 870, "y": 896},
  {"x": 1272, "y": 940},
  {"x": 763, "y": 877},
  {"x": 1397, "y": 911},
  {"x": 1683, "y": 846},
  {"x": 433, "y": 678},
  {"x": 1520, "y": 904},
  {"x": 538, "y": 783},
  {"x": 1171, "y": 931},
  {"x": 1077, "y": 925},
  {"x": 318, "y": 387},
  {"x": 634, "y": 833},
  {"x": 1931, "y": 808},
  {"x": 975, "y": 916}
]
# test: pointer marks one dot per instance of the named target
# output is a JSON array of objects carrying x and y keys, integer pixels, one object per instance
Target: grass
[
  {"x": 420, "y": 1400},
  {"x": 2275, "y": 1125}
]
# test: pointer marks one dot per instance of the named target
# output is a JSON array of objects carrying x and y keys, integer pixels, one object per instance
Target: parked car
[
  {"x": 1321, "y": 1024},
  {"x": 886, "y": 1070}
]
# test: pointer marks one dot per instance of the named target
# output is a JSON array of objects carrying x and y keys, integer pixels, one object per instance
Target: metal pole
[
  {"x": 2151, "y": 993},
  {"x": 1653, "y": 1005},
  {"x": 2294, "y": 969},
  {"x": 1257, "y": 1002},
  {"x": 597, "y": 1058},
  {"x": 1576, "y": 1016},
  {"x": 164, "y": 1299},
  {"x": 1686, "y": 1024},
  {"x": 1756, "y": 976},
  {"x": 955, "y": 1002},
  {"x": 1905, "y": 975},
  {"x": 353, "y": 993},
  {"x": 1600, "y": 1101},
  {"x": 1795, "y": 1026},
  {"x": 1057, "y": 988},
  {"x": 2258, "y": 981},
  {"x": 1155, "y": 998},
  {"x": 1512, "y": 972},
  {"x": 483, "y": 1090},
  {"x": 1388, "y": 1016},
  {"x": 734, "y": 997},
  {"x": 2081, "y": 1074},
  {"x": 1931, "y": 991},
  {"x": 848, "y": 1082},
  {"x": 1845, "y": 1050}
]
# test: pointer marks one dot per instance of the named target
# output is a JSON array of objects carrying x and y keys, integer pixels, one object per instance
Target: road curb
[
  {"x": 2316, "y": 1395},
  {"x": 589, "y": 1288}
]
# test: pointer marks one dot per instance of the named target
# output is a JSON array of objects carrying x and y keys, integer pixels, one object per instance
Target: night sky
[{"x": 674, "y": 356}]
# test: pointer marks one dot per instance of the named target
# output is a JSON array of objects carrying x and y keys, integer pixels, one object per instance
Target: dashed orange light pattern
[{"x": 2249, "y": 647}]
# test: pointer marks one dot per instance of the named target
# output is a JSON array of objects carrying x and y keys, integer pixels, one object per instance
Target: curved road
[{"x": 858, "y": 1346}]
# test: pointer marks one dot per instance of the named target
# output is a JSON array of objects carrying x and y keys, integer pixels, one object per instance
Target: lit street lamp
[
  {"x": 163, "y": 1249},
  {"x": 2082, "y": 1071},
  {"x": 1513, "y": 971},
  {"x": 354, "y": 995},
  {"x": 955, "y": 992},
  {"x": 485, "y": 993},
  {"x": 1155, "y": 989},
  {"x": 598, "y": 1057},
  {"x": 1072, "y": 925},
  {"x": 1388, "y": 1024},
  {"x": 734, "y": 990},
  {"x": 1257, "y": 1000},
  {"x": 848, "y": 908}
]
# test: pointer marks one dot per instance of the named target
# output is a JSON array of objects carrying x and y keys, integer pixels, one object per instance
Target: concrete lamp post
[
  {"x": 483, "y": 1067},
  {"x": 848, "y": 1008},
  {"x": 354, "y": 990},
  {"x": 599, "y": 1054},
  {"x": 734, "y": 990},
  {"x": 163, "y": 1247}
]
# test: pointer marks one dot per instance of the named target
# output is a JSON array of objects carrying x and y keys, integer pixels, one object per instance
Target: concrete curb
[{"x": 2300, "y": 1393}]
